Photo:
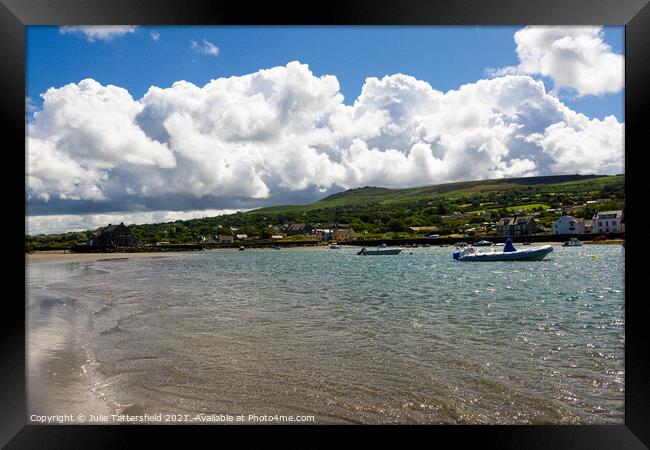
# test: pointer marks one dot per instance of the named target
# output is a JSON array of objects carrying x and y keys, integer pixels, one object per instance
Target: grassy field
[{"x": 514, "y": 208}]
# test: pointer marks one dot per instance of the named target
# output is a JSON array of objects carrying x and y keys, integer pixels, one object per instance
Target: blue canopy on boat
[{"x": 509, "y": 247}]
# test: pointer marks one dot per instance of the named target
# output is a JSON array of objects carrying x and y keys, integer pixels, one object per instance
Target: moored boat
[
  {"x": 509, "y": 253},
  {"x": 379, "y": 251},
  {"x": 334, "y": 245},
  {"x": 241, "y": 248},
  {"x": 483, "y": 243},
  {"x": 573, "y": 242}
]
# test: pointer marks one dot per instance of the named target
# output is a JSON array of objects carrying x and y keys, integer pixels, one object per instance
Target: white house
[
  {"x": 607, "y": 222},
  {"x": 568, "y": 225}
]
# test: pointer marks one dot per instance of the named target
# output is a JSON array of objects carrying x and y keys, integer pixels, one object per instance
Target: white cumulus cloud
[
  {"x": 574, "y": 57},
  {"x": 286, "y": 130},
  {"x": 99, "y": 32}
]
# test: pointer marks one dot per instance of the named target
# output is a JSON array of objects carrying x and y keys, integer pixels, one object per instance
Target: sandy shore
[{"x": 61, "y": 255}]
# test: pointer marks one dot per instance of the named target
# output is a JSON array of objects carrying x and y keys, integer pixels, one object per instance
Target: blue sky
[
  {"x": 243, "y": 117},
  {"x": 444, "y": 56}
]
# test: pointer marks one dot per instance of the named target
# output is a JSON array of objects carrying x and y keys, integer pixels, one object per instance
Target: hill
[
  {"x": 375, "y": 211},
  {"x": 383, "y": 196}
]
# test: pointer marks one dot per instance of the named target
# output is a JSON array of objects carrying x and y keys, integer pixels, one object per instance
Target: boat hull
[
  {"x": 534, "y": 254},
  {"x": 391, "y": 251}
]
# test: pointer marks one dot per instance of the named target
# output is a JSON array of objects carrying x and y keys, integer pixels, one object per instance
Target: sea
[{"x": 329, "y": 337}]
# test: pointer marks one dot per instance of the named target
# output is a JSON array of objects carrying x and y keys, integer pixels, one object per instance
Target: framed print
[{"x": 374, "y": 215}]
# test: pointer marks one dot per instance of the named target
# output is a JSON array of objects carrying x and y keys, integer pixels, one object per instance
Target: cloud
[
  {"x": 283, "y": 134},
  {"x": 207, "y": 48},
  {"x": 155, "y": 36},
  {"x": 574, "y": 57},
  {"x": 100, "y": 32},
  {"x": 62, "y": 223}
]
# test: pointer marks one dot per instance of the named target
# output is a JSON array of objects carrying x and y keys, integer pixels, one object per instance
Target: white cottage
[
  {"x": 607, "y": 222},
  {"x": 568, "y": 225}
]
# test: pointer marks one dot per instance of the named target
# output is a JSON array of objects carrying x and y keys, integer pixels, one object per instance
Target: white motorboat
[
  {"x": 509, "y": 253},
  {"x": 335, "y": 246}
]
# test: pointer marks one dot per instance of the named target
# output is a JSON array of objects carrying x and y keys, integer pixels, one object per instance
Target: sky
[{"x": 147, "y": 124}]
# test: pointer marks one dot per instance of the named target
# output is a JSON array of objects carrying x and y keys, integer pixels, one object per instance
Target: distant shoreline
[{"x": 65, "y": 255}]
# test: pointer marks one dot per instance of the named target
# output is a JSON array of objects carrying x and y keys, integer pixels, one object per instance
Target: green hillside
[
  {"x": 454, "y": 208},
  {"x": 384, "y": 196}
]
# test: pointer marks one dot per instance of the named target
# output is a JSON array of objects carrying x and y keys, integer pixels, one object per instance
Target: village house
[
  {"x": 525, "y": 226},
  {"x": 277, "y": 230},
  {"x": 520, "y": 226},
  {"x": 225, "y": 238},
  {"x": 118, "y": 235},
  {"x": 241, "y": 237},
  {"x": 607, "y": 222},
  {"x": 568, "y": 225},
  {"x": 344, "y": 234},
  {"x": 300, "y": 228},
  {"x": 506, "y": 226},
  {"x": 325, "y": 234}
]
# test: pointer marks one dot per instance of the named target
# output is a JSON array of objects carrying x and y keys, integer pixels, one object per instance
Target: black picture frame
[{"x": 15, "y": 15}]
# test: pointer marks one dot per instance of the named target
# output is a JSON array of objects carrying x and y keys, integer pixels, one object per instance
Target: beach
[
  {"x": 65, "y": 255},
  {"x": 410, "y": 338}
]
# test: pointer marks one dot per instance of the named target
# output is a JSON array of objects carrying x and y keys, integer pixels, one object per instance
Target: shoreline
[
  {"x": 46, "y": 256},
  {"x": 64, "y": 255}
]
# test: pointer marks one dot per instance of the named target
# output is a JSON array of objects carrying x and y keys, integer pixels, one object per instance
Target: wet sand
[{"x": 63, "y": 255}]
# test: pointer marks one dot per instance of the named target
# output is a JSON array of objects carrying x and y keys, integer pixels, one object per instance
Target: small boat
[
  {"x": 241, "y": 248},
  {"x": 483, "y": 243},
  {"x": 379, "y": 251},
  {"x": 573, "y": 242},
  {"x": 334, "y": 245},
  {"x": 277, "y": 247},
  {"x": 509, "y": 253},
  {"x": 460, "y": 244}
]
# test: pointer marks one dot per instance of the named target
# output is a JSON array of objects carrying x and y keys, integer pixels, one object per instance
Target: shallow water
[{"x": 410, "y": 338}]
